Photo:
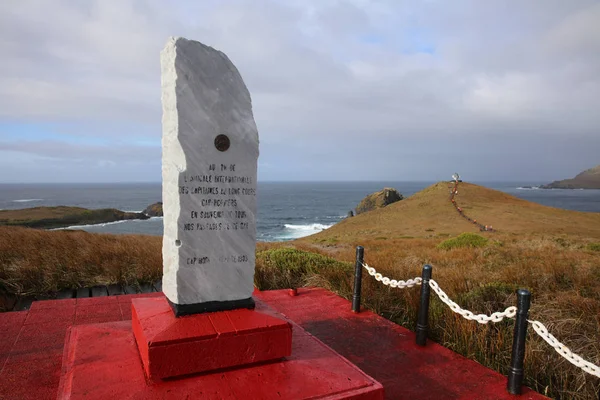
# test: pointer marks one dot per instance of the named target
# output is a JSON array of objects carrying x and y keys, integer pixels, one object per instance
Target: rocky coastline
[
  {"x": 64, "y": 216},
  {"x": 588, "y": 179}
]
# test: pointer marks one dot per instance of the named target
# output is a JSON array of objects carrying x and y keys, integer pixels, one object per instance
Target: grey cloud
[
  {"x": 335, "y": 70},
  {"x": 120, "y": 153}
]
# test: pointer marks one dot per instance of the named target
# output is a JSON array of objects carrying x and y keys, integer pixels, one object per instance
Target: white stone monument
[{"x": 209, "y": 162}]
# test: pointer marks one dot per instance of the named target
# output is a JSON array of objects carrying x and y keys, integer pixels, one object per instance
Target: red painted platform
[
  {"x": 217, "y": 340},
  {"x": 32, "y": 346},
  {"x": 102, "y": 362}
]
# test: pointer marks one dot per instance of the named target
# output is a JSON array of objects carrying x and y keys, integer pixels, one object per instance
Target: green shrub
[
  {"x": 463, "y": 240},
  {"x": 489, "y": 297},
  {"x": 593, "y": 246},
  {"x": 290, "y": 268}
]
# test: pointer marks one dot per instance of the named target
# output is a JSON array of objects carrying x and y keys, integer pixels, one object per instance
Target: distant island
[
  {"x": 63, "y": 216},
  {"x": 588, "y": 179}
]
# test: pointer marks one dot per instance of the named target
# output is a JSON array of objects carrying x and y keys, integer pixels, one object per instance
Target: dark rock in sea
[
  {"x": 379, "y": 199},
  {"x": 154, "y": 210},
  {"x": 350, "y": 214},
  {"x": 588, "y": 179}
]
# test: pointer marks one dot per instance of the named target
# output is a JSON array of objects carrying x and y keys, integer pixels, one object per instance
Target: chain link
[
  {"x": 563, "y": 350},
  {"x": 510, "y": 312},
  {"x": 391, "y": 282}
]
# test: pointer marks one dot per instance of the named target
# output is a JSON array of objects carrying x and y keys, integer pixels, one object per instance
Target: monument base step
[
  {"x": 211, "y": 306},
  {"x": 172, "y": 346},
  {"x": 101, "y": 361}
]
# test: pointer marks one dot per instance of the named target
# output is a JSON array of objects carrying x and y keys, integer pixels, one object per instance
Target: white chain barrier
[
  {"x": 392, "y": 282},
  {"x": 510, "y": 312},
  {"x": 563, "y": 350}
]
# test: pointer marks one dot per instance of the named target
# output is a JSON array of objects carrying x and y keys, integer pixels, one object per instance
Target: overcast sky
[{"x": 341, "y": 90}]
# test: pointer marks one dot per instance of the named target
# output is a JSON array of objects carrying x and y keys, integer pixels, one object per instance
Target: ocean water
[{"x": 286, "y": 210}]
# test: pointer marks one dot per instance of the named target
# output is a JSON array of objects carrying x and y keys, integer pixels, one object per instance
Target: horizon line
[{"x": 276, "y": 181}]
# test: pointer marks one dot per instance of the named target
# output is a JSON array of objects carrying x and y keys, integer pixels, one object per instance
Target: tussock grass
[
  {"x": 464, "y": 240},
  {"x": 292, "y": 268},
  {"x": 36, "y": 262}
]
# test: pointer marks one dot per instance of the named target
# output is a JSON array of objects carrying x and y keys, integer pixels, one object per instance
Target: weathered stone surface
[
  {"x": 209, "y": 194},
  {"x": 378, "y": 200}
]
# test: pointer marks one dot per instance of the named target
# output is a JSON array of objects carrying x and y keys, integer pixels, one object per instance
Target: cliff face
[
  {"x": 588, "y": 179},
  {"x": 378, "y": 200}
]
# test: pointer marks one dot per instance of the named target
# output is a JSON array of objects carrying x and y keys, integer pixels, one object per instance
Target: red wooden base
[
  {"x": 101, "y": 361},
  {"x": 171, "y": 346}
]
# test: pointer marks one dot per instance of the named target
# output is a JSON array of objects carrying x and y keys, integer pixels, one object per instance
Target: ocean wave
[
  {"x": 310, "y": 227},
  {"x": 26, "y": 200},
  {"x": 297, "y": 231},
  {"x": 106, "y": 223},
  {"x": 528, "y": 188},
  {"x": 92, "y": 225}
]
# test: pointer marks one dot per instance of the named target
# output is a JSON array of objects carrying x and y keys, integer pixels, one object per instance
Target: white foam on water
[
  {"x": 528, "y": 188},
  {"x": 26, "y": 200},
  {"x": 105, "y": 224},
  {"x": 297, "y": 231},
  {"x": 92, "y": 225}
]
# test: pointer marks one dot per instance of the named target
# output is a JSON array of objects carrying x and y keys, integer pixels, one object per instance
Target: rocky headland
[
  {"x": 154, "y": 210},
  {"x": 588, "y": 179},
  {"x": 379, "y": 199},
  {"x": 63, "y": 216}
]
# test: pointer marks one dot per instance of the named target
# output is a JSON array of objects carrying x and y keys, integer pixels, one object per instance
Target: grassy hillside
[
  {"x": 62, "y": 216},
  {"x": 429, "y": 213},
  {"x": 552, "y": 252}
]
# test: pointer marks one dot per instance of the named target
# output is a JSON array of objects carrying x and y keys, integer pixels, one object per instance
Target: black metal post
[
  {"x": 360, "y": 253},
  {"x": 424, "y": 306},
  {"x": 515, "y": 373}
]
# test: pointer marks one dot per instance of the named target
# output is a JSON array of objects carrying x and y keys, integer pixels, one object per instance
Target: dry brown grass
[
  {"x": 429, "y": 213},
  {"x": 35, "y": 261}
]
